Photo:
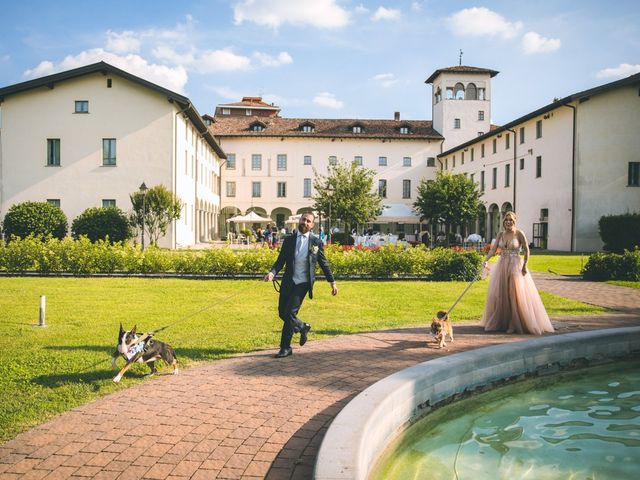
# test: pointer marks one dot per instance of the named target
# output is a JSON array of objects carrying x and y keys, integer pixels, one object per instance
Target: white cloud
[
  {"x": 328, "y": 100},
  {"x": 283, "y": 58},
  {"x": 274, "y": 13},
  {"x": 124, "y": 42},
  {"x": 227, "y": 92},
  {"x": 622, "y": 70},
  {"x": 386, "y": 79},
  {"x": 360, "y": 9},
  {"x": 172, "y": 78},
  {"x": 533, "y": 42},
  {"x": 416, "y": 7},
  {"x": 386, "y": 14},
  {"x": 211, "y": 61},
  {"x": 480, "y": 21}
]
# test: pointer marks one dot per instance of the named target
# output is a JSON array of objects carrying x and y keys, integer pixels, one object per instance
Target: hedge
[
  {"x": 613, "y": 266},
  {"x": 101, "y": 223},
  {"x": 84, "y": 257},
  {"x": 40, "y": 219},
  {"x": 620, "y": 232}
]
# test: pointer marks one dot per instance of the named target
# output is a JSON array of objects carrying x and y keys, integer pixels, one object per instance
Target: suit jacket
[{"x": 316, "y": 257}]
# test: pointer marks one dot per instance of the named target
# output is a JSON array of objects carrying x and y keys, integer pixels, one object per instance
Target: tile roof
[
  {"x": 250, "y": 102},
  {"x": 323, "y": 128},
  {"x": 461, "y": 69}
]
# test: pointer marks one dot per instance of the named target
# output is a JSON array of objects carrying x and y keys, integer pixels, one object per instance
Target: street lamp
[{"x": 143, "y": 191}]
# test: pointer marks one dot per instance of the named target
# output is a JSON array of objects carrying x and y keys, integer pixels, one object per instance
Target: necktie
[{"x": 299, "y": 245}]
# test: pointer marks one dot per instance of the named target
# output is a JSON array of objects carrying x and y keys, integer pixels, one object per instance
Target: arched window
[
  {"x": 472, "y": 92},
  {"x": 458, "y": 91},
  {"x": 257, "y": 127},
  {"x": 438, "y": 95}
]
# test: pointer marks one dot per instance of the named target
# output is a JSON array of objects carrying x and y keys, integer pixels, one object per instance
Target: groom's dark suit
[{"x": 292, "y": 294}]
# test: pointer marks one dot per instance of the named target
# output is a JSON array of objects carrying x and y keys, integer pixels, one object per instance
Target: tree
[
  {"x": 100, "y": 223},
  {"x": 40, "y": 219},
  {"x": 452, "y": 199},
  {"x": 161, "y": 207},
  {"x": 348, "y": 189}
]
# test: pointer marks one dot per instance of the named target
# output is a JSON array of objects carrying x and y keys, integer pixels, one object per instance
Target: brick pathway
[{"x": 254, "y": 417}]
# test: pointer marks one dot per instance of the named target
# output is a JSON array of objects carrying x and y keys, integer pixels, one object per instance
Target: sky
[{"x": 330, "y": 58}]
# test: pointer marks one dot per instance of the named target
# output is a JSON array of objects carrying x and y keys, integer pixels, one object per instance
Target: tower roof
[{"x": 461, "y": 69}]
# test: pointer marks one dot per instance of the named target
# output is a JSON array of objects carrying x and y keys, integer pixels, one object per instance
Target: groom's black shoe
[
  {"x": 284, "y": 352},
  {"x": 303, "y": 333}
]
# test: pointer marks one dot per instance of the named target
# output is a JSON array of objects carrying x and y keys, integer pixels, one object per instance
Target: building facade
[{"x": 90, "y": 137}]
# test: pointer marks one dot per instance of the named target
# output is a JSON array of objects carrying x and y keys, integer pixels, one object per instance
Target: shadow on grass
[{"x": 193, "y": 354}]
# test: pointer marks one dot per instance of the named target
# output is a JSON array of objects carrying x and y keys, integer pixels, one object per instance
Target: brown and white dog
[
  {"x": 440, "y": 327},
  {"x": 142, "y": 349}
]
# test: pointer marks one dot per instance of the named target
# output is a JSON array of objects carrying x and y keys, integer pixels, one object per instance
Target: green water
[{"x": 578, "y": 425}]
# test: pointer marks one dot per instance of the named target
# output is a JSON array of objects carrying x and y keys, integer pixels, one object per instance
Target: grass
[
  {"x": 46, "y": 371},
  {"x": 625, "y": 283},
  {"x": 559, "y": 262}
]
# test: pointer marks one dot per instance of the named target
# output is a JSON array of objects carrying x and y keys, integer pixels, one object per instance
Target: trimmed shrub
[
  {"x": 39, "y": 219},
  {"x": 102, "y": 224},
  {"x": 620, "y": 232},
  {"x": 446, "y": 264},
  {"x": 342, "y": 238},
  {"x": 613, "y": 266}
]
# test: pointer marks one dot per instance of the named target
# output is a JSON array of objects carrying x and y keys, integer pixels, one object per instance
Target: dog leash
[{"x": 476, "y": 278}]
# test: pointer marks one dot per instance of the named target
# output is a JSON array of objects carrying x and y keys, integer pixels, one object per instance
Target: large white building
[{"x": 91, "y": 136}]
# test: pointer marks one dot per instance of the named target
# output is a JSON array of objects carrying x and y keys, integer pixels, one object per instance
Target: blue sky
[{"x": 330, "y": 58}]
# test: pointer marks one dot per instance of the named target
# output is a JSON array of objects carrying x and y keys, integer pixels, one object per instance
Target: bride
[{"x": 513, "y": 303}]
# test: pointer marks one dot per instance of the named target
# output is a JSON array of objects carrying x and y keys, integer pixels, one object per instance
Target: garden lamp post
[
  {"x": 143, "y": 191},
  {"x": 330, "y": 191}
]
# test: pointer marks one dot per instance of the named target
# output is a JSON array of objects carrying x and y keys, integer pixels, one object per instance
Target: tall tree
[
  {"x": 451, "y": 199},
  {"x": 161, "y": 207},
  {"x": 349, "y": 190}
]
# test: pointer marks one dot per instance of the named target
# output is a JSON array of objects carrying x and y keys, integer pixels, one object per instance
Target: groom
[{"x": 299, "y": 254}]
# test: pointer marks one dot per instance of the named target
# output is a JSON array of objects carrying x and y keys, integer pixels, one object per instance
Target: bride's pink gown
[{"x": 513, "y": 303}]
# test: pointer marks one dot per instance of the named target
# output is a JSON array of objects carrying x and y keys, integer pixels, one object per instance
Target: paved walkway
[{"x": 254, "y": 417}]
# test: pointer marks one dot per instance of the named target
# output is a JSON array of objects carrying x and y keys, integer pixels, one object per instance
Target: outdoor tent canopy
[{"x": 398, "y": 212}]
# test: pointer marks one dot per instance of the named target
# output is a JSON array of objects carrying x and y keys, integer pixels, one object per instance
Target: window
[
  {"x": 634, "y": 174},
  {"x": 521, "y": 135},
  {"x": 539, "y": 129},
  {"x": 357, "y": 160},
  {"x": 482, "y": 181},
  {"x": 453, "y": 162},
  {"x": 307, "y": 160},
  {"x": 481, "y": 94},
  {"x": 282, "y": 189},
  {"x": 256, "y": 127},
  {"x": 507, "y": 141},
  {"x": 449, "y": 93},
  {"x": 307, "y": 188},
  {"x": 473, "y": 175},
  {"x": 357, "y": 129},
  {"x": 481, "y": 115},
  {"x": 247, "y": 112},
  {"x": 482, "y": 150},
  {"x": 109, "y": 82},
  {"x": 507, "y": 175},
  {"x": 431, "y": 161},
  {"x": 495, "y": 145},
  {"x": 438, "y": 95},
  {"x": 231, "y": 161},
  {"x": 479, "y": 134},
  {"x": 538, "y": 167},
  {"x": 382, "y": 161},
  {"x": 406, "y": 161},
  {"x": 382, "y": 188},
  {"x": 108, "y": 151},
  {"x": 494, "y": 178},
  {"x": 256, "y": 161},
  {"x": 544, "y": 214},
  {"x": 406, "y": 188},
  {"x": 108, "y": 203},
  {"x": 404, "y": 130},
  {"x": 307, "y": 128},
  {"x": 472, "y": 92},
  {"x": 82, "y": 106},
  {"x": 462, "y": 159},
  {"x": 522, "y": 164},
  {"x": 472, "y": 154},
  {"x": 282, "y": 162},
  {"x": 458, "y": 91},
  {"x": 54, "y": 201},
  {"x": 53, "y": 152},
  {"x": 231, "y": 189},
  {"x": 446, "y": 164},
  {"x": 256, "y": 189},
  {"x": 226, "y": 111},
  {"x": 456, "y": 123}
]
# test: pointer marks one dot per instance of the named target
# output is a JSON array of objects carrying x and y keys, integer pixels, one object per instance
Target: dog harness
[{"x": 135, "y": 350}]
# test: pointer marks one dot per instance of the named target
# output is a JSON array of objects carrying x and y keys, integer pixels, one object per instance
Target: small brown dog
[{"x": 440, "y": 327}]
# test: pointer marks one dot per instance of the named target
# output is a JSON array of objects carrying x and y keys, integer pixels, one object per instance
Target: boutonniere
[{"x": 315, "y": 249}]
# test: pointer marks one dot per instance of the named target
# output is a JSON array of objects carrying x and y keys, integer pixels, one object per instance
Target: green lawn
[
  {"x": 45, "y": 371},
  {"x": 560, "y": 263},
  {"x": 624, "y": 283}
]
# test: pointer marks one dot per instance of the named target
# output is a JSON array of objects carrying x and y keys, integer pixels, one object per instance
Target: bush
[
  {"x": 620, "y": 232},
  {"x": 446, "y": 264},
  {"x": 613, "y": 266},
  {"x": 342, "y": 238},
  {"x": 39, "y": 219},
  {"x": 102, "y": 224}
]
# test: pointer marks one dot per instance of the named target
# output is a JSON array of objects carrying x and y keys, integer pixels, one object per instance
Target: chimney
[{"x": 396, "y": 116}]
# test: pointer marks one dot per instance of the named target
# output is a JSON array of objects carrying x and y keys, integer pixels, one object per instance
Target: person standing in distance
[{"x": 299, "y": 255}]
